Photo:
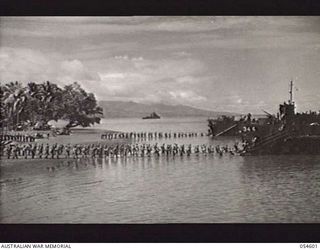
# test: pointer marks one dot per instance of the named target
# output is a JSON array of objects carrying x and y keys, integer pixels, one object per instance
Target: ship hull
[{"x": 304, "y": 145}]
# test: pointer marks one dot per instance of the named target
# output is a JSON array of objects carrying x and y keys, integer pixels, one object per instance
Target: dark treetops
[{"x": 47, "y": 101}]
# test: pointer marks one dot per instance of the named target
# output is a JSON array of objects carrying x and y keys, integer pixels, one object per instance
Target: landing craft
[
  {"x": 287, "y": 133},
  {"x": 230, "y": 126}
]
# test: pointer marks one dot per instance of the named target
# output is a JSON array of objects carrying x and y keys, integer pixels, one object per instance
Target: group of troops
[
  {"x": 149, "y": 135},
  {"x": 17, "y": 138},
  {"x": 56, "y": 151}
]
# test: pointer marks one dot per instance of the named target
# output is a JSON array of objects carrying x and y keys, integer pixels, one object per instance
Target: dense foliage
[{"x": 43, "y": 102}]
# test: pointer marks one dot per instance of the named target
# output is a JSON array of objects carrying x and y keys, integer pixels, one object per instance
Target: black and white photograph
[{"x": 159, "y": 119}]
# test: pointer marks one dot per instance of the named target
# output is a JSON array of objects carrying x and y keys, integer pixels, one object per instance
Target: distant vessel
[{"x": 153, "y": 115}]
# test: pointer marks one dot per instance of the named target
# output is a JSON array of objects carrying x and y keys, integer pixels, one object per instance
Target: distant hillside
[{"x": 120, "y": 109}]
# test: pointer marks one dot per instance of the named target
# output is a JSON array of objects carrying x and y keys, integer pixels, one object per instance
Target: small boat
[{"x": 153, "y": 115}]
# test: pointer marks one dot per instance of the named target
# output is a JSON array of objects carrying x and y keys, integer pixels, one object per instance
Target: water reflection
[
  {"x": 134, "y": 162},
  {"x": 280, "y": 188},
  {"x": 164, "y": 189}
]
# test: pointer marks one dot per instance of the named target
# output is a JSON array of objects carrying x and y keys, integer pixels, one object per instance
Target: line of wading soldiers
[
  {"x": 149, "y": 135},
  {"x": 46, "y": 151},
  {"x": 17, "y": 137}
]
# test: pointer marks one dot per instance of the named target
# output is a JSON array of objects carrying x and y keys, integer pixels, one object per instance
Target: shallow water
[{"x": 204, "y": 188}]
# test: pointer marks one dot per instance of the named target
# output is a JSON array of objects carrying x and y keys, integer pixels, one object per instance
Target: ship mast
[{"x": 290, "y": 92}]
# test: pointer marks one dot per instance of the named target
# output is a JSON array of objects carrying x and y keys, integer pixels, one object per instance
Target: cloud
[
  {"x": 257, "y": 39},
  {"x": 23, "y": 65},
  {"x": 170, "y": 80},
  {"x": 78, "y": 26},
  {"x": 126, "y": 57},
  {"x": 150, "y": 80},
  {"x": 77, "y": 71},
  {"x": 183, "y": 96},
  {"x": 222, "y": 63},
  {"x": 97, "y": 26},
  {"x": 182, "y": 53},
  {"x": 27, "y": 65},
  {"x": 122, "y": 77},
  {"x": 99, "y": 37}
]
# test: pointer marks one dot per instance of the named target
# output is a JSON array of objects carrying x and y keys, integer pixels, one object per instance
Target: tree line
[{"x": 33, "y": 102}]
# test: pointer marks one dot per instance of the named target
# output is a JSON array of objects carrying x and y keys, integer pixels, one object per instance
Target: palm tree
[
  {"x": 20, "y": 96},
  {"x": 14, "y": 99},
  {"x": 11, "y": 98},
  {"x": 45, "y": 102}
]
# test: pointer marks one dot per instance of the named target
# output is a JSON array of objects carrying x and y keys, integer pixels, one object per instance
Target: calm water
[{"x": 162, "y": 190}]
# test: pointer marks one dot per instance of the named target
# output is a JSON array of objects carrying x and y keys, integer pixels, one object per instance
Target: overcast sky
[{"x": 239, "y": 64}]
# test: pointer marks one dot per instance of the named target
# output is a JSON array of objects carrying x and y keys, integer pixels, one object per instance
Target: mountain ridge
[{"x": 123, "y": 109}]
